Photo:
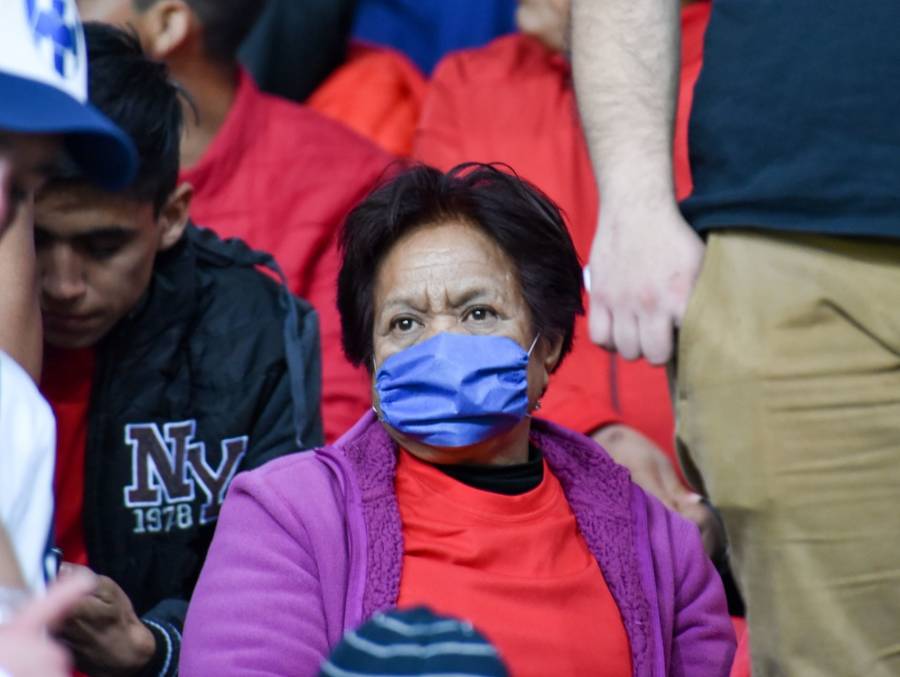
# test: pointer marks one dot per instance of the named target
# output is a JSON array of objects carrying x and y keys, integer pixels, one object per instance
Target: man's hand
[
  {"x": 26, "y": 650},
  {"x": 104, "y": 633},
  {"x": 652, "y": 471},
  {"x": 645, "y": 258},
  {"x": 644, "y": 263}
]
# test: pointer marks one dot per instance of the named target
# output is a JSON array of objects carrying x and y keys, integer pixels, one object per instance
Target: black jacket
[{"x": 216, "y": 371}]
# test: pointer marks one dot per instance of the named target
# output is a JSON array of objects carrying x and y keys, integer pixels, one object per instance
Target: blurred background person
[
  {"x": 272, "y": 172},
  {"x": 296, "y": 44},
  {"x": 303, "y": 50},
  {"x": 778, "y": 276},
  {"x": 459, "y": 292}
]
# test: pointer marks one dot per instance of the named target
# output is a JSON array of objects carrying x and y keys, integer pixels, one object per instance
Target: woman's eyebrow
[
  {"x": 464, "y": 296},
  {"x": 402, "y": 303},
  {"x": 455, "y": 299}
]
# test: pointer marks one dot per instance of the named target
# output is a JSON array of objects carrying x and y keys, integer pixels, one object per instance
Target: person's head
[
  {"x": 209, "y": 29},
  {"x": 547, "y": 20},
  {"x": 476, "y": 251},
  {"x": 442, "y": 645},
  {"x": 43, "y": 104},
  {"x": 96, "y": 248}
]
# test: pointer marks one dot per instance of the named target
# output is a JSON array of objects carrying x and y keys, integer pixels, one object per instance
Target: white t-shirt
[{"x": 27, "y": 455}]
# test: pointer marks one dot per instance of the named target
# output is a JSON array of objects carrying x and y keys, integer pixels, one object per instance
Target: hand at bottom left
[
  {"x": 26, "y": 648},
  {"x": 105, "y": 635}
]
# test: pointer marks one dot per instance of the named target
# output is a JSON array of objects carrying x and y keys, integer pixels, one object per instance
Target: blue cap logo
[{"x": 49, "y": 26}]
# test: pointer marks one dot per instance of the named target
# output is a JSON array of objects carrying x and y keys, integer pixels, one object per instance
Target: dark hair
[
  {"x": 523, "y": 221},
  {"x": 138, "y": 96},
  {"x": 225, "y": 23}
]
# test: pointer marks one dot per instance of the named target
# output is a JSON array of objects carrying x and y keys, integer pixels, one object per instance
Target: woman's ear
[
  {"x": 173, "y": 217},
  {"x": 552, "y": 352},
  {"x": 166, "y": 27},
  {"x": 545, "y": 358}
]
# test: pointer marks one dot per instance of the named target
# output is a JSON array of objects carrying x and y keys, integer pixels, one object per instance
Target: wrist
[
  {"x": 143, "y": 648},
  {"x": 638, "y": 186},
  {"x": 637, "y": 211}
]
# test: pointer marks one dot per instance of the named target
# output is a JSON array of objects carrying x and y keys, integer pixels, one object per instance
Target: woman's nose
[{"x": 442, "y": 324}]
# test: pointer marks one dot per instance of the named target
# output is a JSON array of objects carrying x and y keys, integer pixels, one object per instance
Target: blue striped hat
[
  {"x": 44, "y": 88},
  {"x": 414, "y": 642}
]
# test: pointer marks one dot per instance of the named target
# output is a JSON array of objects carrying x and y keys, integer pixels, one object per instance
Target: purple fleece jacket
[{"x": 311, "y": 545}]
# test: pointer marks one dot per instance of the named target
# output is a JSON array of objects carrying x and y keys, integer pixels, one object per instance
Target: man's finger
[
  {"x": 656, "y": 338},
  {"x": 55, "y": 605},
  {"x": 68, "y": 568},
  {"x": 625, "y": 335},
  {"x": 103, "y": 586},
  {"x": 600, "y": 324},
  {"x": 680, "y": 303}
]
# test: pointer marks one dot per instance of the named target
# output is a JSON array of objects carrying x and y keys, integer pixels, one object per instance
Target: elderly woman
[{"x": 459, "y": 293}]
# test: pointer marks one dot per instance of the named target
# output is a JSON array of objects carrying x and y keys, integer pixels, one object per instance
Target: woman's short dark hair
[{"x": 524, "y": 222}]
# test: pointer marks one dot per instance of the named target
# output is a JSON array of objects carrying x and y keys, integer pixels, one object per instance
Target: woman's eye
[
  {"x": 481, "y": 314},
  {"x": 403, "y": 324}
]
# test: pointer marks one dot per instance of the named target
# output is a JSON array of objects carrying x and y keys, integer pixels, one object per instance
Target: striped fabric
[{"x": 414, "y": 642}]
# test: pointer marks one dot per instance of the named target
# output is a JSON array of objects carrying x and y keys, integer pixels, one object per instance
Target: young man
[
  {"x": 43, "y": 108},
  {"x": 272, "y": 172},
  {"x": 513, "y": 101},
  {"x": 171, "y": 364},
  {"x": 780, "y": 274}
]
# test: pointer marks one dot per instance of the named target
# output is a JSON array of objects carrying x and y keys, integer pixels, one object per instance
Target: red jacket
[
  {"x": 282, "y": 177},
  {"x": 513, "y": 101},
  {"x": 378, "y": 93}
]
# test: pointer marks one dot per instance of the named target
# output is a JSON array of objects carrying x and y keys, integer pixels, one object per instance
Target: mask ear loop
[
  {"x": 533, "y": 343},
  {"x": 537, "y": 405},
  {"x": 374, "y": 373}
]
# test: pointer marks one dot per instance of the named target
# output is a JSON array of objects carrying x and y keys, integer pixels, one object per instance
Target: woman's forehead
[
  {"x": 444, "y": 294},
  {"x": 446, "y": 244},
  {"x": 454, "y": 259}
]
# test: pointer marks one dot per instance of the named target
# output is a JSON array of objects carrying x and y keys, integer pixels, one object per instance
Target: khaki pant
[{"x": 788, "y": 403}]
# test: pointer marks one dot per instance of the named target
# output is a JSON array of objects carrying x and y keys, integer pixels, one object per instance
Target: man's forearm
[{"x": 626, "y": 57}]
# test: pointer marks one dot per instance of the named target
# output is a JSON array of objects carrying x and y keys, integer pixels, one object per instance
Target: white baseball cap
[{"x": 44, "y": 88}]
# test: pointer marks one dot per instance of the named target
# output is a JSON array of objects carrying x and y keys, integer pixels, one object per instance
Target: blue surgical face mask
[{"x": 454, "y": 390}]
